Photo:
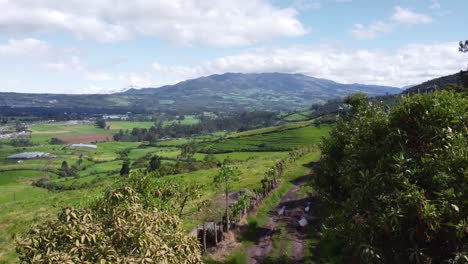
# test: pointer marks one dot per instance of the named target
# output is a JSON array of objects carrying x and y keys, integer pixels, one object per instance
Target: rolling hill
[{"x": 224, "y": 92}]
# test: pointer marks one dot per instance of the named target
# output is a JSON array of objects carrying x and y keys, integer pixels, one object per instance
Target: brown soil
[
  {"x": 258, "y": 253},
  {"x": 87, "y": 138}
]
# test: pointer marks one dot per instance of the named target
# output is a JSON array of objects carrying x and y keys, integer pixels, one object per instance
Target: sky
[{"x": 103, "y": 46}]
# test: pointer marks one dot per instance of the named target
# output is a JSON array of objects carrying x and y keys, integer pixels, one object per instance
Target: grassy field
[
  {"x": 279, "y": 140},
  {"x": 272, "y": 129},
  {"x": 280, "y": 239},
  {"x": 21, "y": 204}
]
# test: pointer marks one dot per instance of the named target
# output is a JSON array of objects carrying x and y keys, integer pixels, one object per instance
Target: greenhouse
[{"x": 30, "y": 155}]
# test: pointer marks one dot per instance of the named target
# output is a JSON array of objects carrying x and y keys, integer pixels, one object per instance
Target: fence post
[
  {"x": 204, "y": 238},
  {"x": 215, "y": 232}
]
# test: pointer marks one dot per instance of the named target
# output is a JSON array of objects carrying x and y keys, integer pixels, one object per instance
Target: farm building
[
  {"x": 31, "y": 155},
  {"x": 83, "y": 146}
]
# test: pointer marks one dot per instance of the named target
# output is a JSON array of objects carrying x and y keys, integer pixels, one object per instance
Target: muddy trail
[{"x": 287, "y": 215}]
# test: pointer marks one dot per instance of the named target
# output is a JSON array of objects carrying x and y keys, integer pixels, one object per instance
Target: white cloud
[
  {"x": 24, "y": 47},
  {"x": 184, "y": 22},
  {"x": 408, "y": 17},
  {"x": 400, "y": 17},
  {"x": 137, "y": 80},
  {"x": 411, "y": 64},
  {"x": 360, "y": 31},
  {"x": 98, "y": 76}
]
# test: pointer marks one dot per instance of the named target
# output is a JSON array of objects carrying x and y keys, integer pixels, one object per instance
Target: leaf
[{"x": 455, "y": 207}]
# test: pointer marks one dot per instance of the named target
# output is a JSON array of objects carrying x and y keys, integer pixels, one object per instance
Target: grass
[
  {"x": 272, "y": 129},
  {"x": 282, "y": 241},
  {"x": 43, "y": 132},
  {"x": 7, "y": 177},
  {"x": 243, "y": 156},
  {"x": 295, "y": 117},
  {"x": 281, "y": 140},
  {"x": 21, "y": 204},
  {"x": 128, "y": 125}
]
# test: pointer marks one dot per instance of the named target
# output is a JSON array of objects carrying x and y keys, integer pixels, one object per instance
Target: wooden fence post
[
  {"x": 215, "y": 232},
  {"x": 204, "y": 238}
]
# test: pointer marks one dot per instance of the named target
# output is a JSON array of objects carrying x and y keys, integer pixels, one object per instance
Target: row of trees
[
  {"x": 229, "y": 174},
  {"x": 395, "y": 180},
  {"x": 234, "y": 122}
]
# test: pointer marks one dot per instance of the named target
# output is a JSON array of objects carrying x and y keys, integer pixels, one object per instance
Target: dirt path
[{"x": 294, "y": 210}]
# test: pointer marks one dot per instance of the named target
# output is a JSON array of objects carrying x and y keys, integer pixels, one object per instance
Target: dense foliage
[
  {"x": 125, "y": 226},
  {"x": 396, "y": 180}
]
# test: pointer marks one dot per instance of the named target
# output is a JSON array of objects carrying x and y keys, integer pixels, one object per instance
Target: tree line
[{"x": 231, "y": 122}]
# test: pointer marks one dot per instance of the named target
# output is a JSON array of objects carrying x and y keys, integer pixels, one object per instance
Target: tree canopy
[
  {"x": 396, "y": 180},
  {"x": 122, "y": 227}
]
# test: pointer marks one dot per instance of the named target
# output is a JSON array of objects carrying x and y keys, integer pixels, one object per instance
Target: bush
[
  {"x": 397, "y": 180},
  {"x": 120, "y": 228}
]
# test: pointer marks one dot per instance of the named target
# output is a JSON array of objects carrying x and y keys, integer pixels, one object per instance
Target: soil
[{"x": 259, "y": 252}]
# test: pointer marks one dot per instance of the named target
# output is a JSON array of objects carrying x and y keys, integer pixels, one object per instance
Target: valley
[{"x": 34, "y": 189}]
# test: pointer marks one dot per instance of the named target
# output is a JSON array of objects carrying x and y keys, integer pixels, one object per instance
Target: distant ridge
[
  {"x": 218, "y": 92},
  {"x": 441, "y": 82}
]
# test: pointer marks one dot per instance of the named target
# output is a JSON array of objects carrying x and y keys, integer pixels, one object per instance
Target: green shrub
[
  {"x": 120, "y": 228},
  {"x": 397, "y": 180}
]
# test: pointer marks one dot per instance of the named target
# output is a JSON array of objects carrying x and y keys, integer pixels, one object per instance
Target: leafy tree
[
  {"x": 395, "y": 181},
  {"x": 155, "y": 163},
  {"x": 101, "y": 123},
  {"x": 463, "y": 46},
  {"x": 227, "y": 175},
  {"x": 65, "y": 170},
  {"x": 119, "y": 228},
  {"x": 125, "y": 170},
  {"x": 175, "y": 195},
  {"x": 187, "y": 151},
  {"x": 56, "y": 141},
  {"x": 210, "y": 160}
]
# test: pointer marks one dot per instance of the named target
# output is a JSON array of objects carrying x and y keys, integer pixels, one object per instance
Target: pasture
[{"x": 22, "y": 204}]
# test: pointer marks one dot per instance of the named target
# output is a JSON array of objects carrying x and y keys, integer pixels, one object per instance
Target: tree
[
  {"x": 187, "y": 151},
  {"x": 65, "y": 170},
  {"x": 463, "y": 46},
  {"x": 119, "y": 228},
  {"x": 174, "y": 195},
  {"x": 101, "y": 123},
  {"x": 225, "y": 178},
  {"x": 56, "y": 141},
  {"x": 125, "y": 170},
  {"x": 395, "y": 181},
  {"x": 154, "y": 163}
]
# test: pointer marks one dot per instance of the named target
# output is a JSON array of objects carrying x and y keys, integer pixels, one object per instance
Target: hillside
[
  {"x": 454, "y": 79},
  {"x": 225, "y": 92}
]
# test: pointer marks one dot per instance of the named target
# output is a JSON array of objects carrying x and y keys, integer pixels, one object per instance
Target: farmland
[{"x": 23, "y": 204}]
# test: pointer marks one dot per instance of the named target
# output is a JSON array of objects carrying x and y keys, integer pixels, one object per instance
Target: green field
[
  {"x": 22, "y": 204},
  {"x": 283, "y": 140}
]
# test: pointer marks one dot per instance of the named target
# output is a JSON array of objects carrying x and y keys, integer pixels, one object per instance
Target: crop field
[
  {"x": 278, "y": 141},
  {"x": 22, "y": 204},
  {"x": 272, "y": 129}
]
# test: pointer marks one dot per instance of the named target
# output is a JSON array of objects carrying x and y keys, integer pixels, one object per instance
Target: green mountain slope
[{"x": 226, "y": 92}]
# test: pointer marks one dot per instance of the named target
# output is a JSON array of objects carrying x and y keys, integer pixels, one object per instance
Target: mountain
[
  {"x": 220, "y": 92},
  {"x": 265, "y": 91},
  {"x": 438, "y": 83}
]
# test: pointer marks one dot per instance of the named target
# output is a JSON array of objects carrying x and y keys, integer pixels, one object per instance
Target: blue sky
[{"x": 99, "y": 46}]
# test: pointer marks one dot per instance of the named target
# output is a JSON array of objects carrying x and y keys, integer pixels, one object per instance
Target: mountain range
[{"x": 220, "y": 92}]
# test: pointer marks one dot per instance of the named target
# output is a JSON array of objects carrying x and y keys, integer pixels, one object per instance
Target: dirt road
[{"x": 293, "y": 211}]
